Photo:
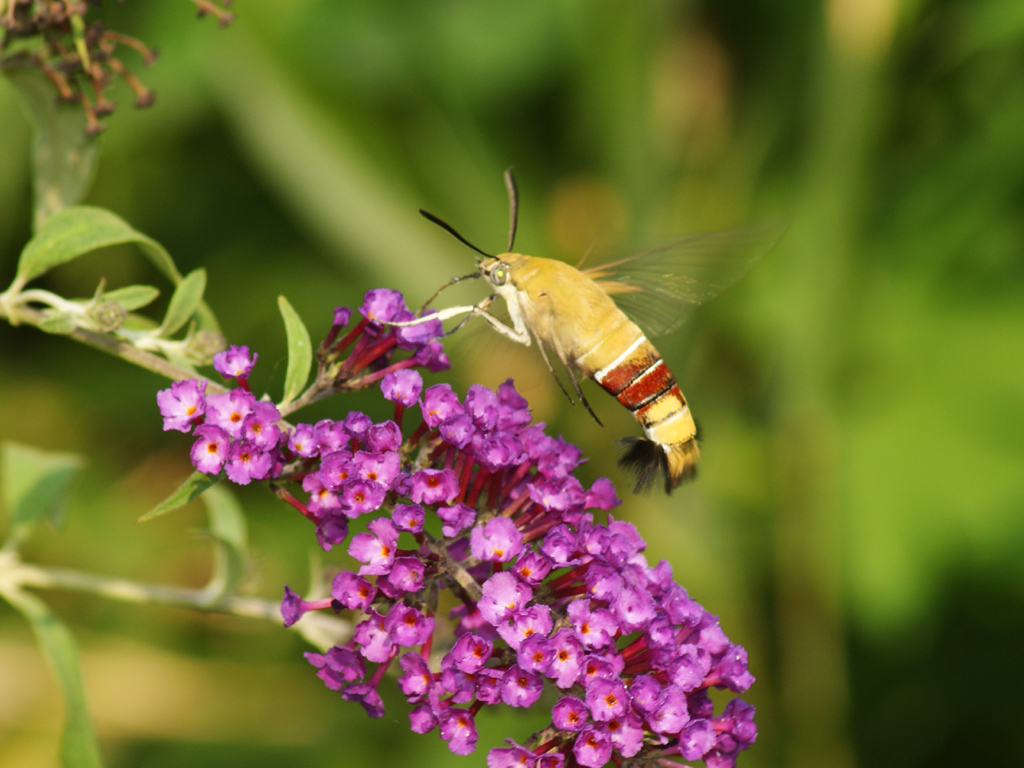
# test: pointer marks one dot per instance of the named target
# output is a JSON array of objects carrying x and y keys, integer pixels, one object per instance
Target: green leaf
[
  {"x": 194, "y": 485},
  {"x": 60, "y": 324},
  {"x": 64, "y": 155},
  {"x": 186, "y": 299},
  {"x": 300, "y": 351},
  {"x": 79, "y": 747},
  {"x": 228, "y": 528},
  {"x": 77, "y": 231},
  {"x": 36, "y": 484},
  {"x": 133, "y": 296}
]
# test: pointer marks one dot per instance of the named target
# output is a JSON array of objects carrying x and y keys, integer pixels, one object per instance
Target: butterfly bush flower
[{"x": 476, "y": 500}]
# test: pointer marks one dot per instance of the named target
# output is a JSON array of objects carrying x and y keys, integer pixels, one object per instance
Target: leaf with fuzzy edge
[{"x": 36, "y": 484}]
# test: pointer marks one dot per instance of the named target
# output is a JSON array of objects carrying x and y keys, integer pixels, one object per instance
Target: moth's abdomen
[{"x": 628, "y": 366}]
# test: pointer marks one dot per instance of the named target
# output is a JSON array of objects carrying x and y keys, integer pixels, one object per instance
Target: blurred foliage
[{"x": 857, "y": 522}]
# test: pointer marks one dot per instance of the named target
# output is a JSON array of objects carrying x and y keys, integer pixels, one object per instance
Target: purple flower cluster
[
  {"x": 479, "y": 501},
  {"x": 549, "y": 599},
  {"x": 240, "y": 435}
]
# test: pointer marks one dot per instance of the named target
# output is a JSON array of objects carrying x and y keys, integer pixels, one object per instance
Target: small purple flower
[
  {"x": 356, "y": 424},
  {"x": 377, "y": 548},
  {"x": 210, "y": 451},
  {"x": 497, "y": 541},
  {"x": 569, "y": 714},
  {"x": 534, "y": 620},
  {"x": 338, "y": 667},
  {"x": 385, "y": 436},
  {"x": 593, "y": 748},
  {"x": 247, "y": 463},
  {"x": 520, "y": 688},
  {"x": 382, "y": 305},
  {"x": 291, "y": 607},
  {"x": 458, "y": 728},
  {"x": 235, "y": 362},
  {"x": 594, "y": 627},
  {"x": 361, "y": 496},
  {"x": 422, "y": 719},
  {"x": 430, "y": 486},
  {"x": 408, "y": 517},
  {"x": 482, "y": 406},
  {"x": 342, "y": 316},
  {"x": 373, "y": 639},
  {"x": 439, "y": 404},
  {"x": 514, "y": 756},
  {"x": 302, "y": 440},
  {"x": 335, "y": 468},
  {"x": 670, "y": 712},
  {"x": 407, "y": 626},
  {"x": 606, "y": 699},
  {"x": 417, "y": 678},
  {"x": 228, "y": 411},
  {"x": 381, "y": 467},
  {"x": 696, "y": 739},
  {"x": 457, "y": 430},
  {"x": 353, "y": 591},
  {"x": 471, "y": 652},
  {"x": 535, "y": 653},
  {"x": 402, "y": 387},
  {"x": 406, "y": 575},
  {"x": 331, "y": 436},
  {"x": 259, "y": 426},
  {"x": 567, "y": 658},
  {"x": 532, "y": 567},
  {"x": 456, "y": 519},
  {"x": 627, "y": 733},
  {"x": 181, "y": 404},
  {"x": 503, "y": 595},
  {"x": 367, "y": 696}
]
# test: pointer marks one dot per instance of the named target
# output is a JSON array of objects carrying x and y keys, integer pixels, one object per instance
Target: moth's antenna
[
  {"x": 451, "y": 231},
  {"x": 513, "y": 206}
]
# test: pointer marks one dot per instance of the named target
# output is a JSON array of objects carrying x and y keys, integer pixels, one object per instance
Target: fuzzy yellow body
[{"x": 567, "y": 311}]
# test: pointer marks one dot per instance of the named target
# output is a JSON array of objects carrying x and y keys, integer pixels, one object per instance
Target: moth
[{"x": 598, "y": 321}]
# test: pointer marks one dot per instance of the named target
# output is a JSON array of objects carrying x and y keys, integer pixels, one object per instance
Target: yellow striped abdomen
[{"x": 628, "y": 366}]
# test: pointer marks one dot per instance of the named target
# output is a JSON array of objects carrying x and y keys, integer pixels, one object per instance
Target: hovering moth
[{"x": 571, "y": 312}]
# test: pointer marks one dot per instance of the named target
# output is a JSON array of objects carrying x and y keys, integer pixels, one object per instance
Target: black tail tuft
[{"x": 644, "y": 458}]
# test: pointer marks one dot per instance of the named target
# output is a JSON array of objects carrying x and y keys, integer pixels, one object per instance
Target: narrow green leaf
[
  {"x": 186, "y": 299},
  {"x": 194, "y": 484},
  {"x": 36, "y": 484},
  {"x": 79, "y": 747},
  {"x": 64, "y": 155},
  {"x": 60, "y": 324},
  {"x": 300, "y": 351},
  {"x": 228, "y": 528},
  {"x": 133, "y": 297}
]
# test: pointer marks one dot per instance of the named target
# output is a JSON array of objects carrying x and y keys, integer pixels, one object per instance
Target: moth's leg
[
  {"x": 580, "y": 395},
  {"x": 544, "y": 354},
  {"x": 449, "y": 284},
  {"x": 518, "y": 334}
]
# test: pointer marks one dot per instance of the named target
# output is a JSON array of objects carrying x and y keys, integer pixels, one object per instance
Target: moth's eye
[{"x": 499, "y": 276}]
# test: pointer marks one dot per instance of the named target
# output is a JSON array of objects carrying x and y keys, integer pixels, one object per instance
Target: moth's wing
[{"x": 659, "y": 287}]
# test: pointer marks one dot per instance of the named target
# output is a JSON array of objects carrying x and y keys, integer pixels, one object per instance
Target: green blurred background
[{"x": 857, "y": 523}]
